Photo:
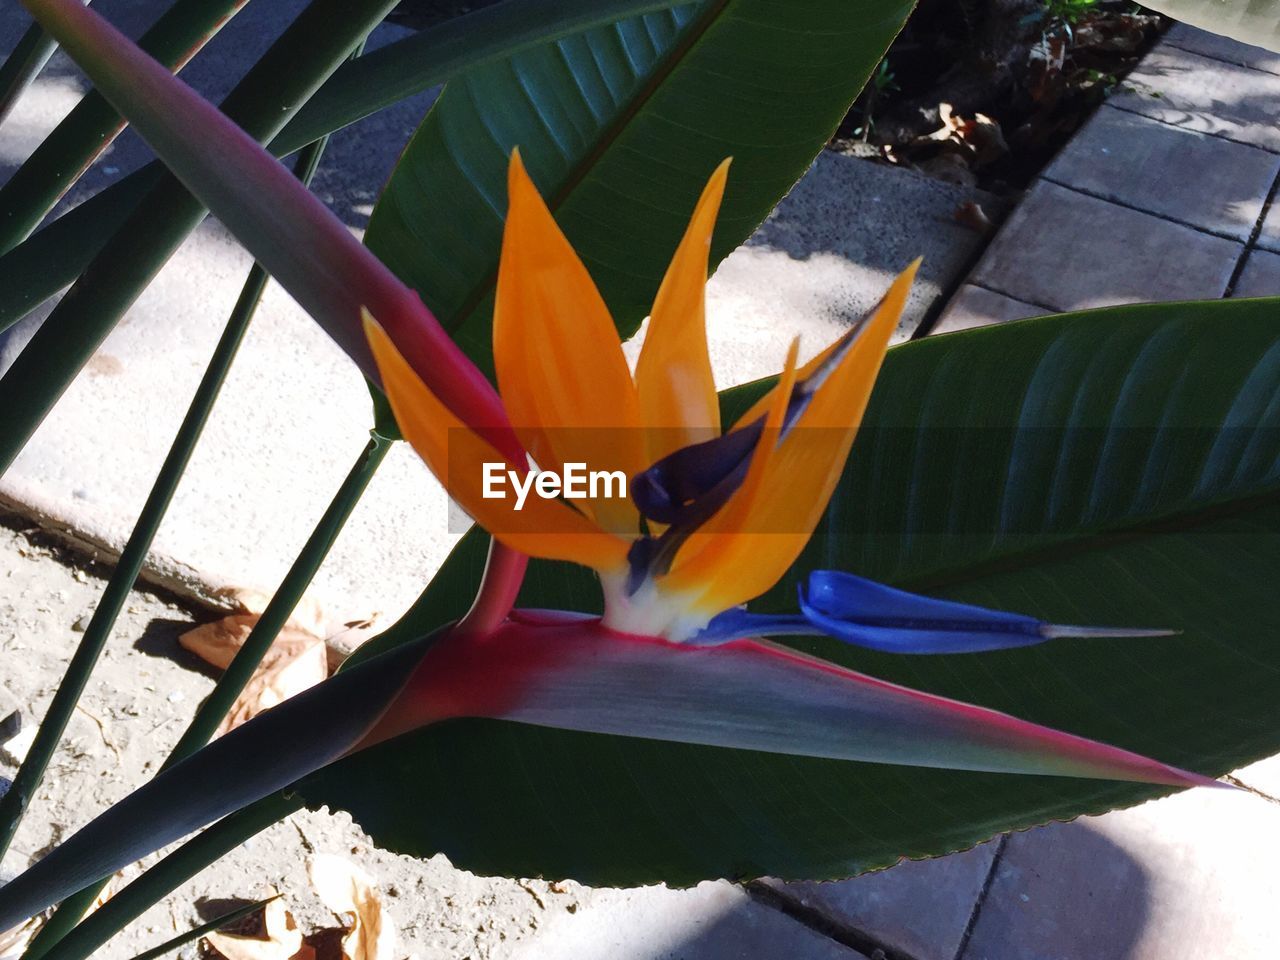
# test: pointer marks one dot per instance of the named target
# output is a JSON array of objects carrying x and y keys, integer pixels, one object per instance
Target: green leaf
[
  {"x": 1118, "y": 466},
  {"x": 620, "y": 127},
  {"x": 1254, "y": 22}
]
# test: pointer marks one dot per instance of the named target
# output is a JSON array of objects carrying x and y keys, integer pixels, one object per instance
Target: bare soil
[{"x": 137, "y": 704}]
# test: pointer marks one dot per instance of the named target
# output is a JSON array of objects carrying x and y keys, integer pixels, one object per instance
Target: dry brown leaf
[
  {"x": 297, "y": 660},
  {"x": 13, "y": 943},
  {"x": 280, "y": 939},
  {"x": 352, "y": 894}
]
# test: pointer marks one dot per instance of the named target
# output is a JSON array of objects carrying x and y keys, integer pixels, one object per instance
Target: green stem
[
  {"x": 14, "y": 803},
  {"x": 28, "y": 58},
  {"x": 314, "y": 45},
  {"x": 177, "y": 868},
  {"x": 232, "y": 683},
  {"x": 89, "y": 128},
  {"x": 217, "y": 923},
  {"x": 54, "y": 257}
]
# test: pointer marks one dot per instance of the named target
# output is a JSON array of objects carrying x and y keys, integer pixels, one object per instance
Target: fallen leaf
[
  {"x": 970, "y": 214},
  {"x": 351, "y": 893},
  {"x": 296, "y": 661},
  {"x": 280, "y": 939},
  {"x": 13, "y": 943}
]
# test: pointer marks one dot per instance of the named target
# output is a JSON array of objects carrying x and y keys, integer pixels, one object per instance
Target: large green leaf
[
  {"x": 1120, "y": 466},
  {"x": 620, "y": 126}
]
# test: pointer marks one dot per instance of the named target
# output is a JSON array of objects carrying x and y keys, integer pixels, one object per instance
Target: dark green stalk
[
  {"x": 226, "y": 920},
  {"x": 287, "y": 597},
  {"x": 14, "y": 803},
  {"x": 28, "y": 58},
  {"x": 177, "y": 868},
  {"x": 308, "y": 52},
  {"x": 54, "y": 257},
  {"x": 232, "y": 683},
  {"x": 89, "y": 128}
]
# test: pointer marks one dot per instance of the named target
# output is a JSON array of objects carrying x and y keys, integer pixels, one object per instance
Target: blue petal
[
  {"x": 739, "y": 624},
  {"x": 872, "y": 615},
  {"x": 688, "y": 485}
]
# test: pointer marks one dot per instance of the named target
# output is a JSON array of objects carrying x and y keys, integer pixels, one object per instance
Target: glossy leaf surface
[
  {"x": 620, "y": 127},
  {"x": 1119, "y": 466}
]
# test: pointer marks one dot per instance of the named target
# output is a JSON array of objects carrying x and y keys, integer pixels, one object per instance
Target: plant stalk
[
  {"x": 177, "y": 868},
  {"x": 233, "y": 681},
  {"x": 80, "y": 137}
]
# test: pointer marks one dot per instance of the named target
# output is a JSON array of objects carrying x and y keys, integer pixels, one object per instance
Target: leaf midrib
[
  {"x": 695, "y": 31},
  {"x": 1174, "y": 521}
]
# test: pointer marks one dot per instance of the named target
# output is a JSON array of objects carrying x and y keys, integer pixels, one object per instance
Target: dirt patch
[
  {"x": 137, "y": 704},
  {"x": 985, "y": 92}
]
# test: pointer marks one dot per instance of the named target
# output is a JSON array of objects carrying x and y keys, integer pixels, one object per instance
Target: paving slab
[
  {"x": 1152, "y": 166},
  {"x": 1218, "y": 47},
  {"x": 713, "y": 921},
  {"x": 1066, "y": 250},
  {"x": 827, "y": 254},
  {"x": 920, "y": 908},
  {"x": 1260, "y": 277},
  {"x": 974, "y": 306},
  {"x": 1187, "y": 90},
  {"x": 1196, "y": 874}
]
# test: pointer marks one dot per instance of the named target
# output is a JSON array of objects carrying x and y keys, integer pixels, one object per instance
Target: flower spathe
[
  {"x": 715, "y": 518},
  {"x": 567, "y": 389}
]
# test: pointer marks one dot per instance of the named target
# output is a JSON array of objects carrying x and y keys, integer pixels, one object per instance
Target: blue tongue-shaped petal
[{"x": 872, "y": 615}]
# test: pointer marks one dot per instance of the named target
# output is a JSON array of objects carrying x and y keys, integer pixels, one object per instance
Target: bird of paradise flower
[{"x": 715, "y": 517}]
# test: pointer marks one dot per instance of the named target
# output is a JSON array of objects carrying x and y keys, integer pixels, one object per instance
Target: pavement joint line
[
  {"x": 1013, "y": 296},
  {"x": 963, "y": 947},
  {"x": 1208, "y": 56},
  {"x": 819, "y": 922},
  {"x": 1184, "y": 128},
  {"x": 1152, "y": 213},
  {"x": 952, "y": 286},
  {"x": 1252, "y": 243}
]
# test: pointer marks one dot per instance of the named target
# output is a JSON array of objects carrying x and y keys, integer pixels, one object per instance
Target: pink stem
[{"x": 503, "y": 575}]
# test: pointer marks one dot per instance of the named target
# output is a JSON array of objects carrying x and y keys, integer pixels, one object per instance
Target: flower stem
[{"x": 503, "y": 576}]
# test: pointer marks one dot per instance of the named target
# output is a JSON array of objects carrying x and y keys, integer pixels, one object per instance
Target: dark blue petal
[
  {"x": 693, "y": 482},
  {"x": 686, "y": 487},
  {"x": 737, "y": 624},
  {"x": 872, "y": 615}
]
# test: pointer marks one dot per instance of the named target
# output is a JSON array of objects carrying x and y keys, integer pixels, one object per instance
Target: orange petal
[
  {"x": 771, "y": 528},
  {"x": 456, "y": 455},
  {"x": 718, "y": 548},
  {"x": 678, "y": 402},
  {"x": 561, "y": 370}
]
